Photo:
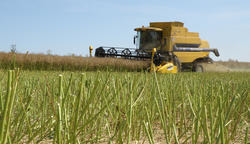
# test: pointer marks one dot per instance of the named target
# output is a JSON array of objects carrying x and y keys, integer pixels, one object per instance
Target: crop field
[
  {"x": 67, "y": 63},
  {"x": 123, "y": 107},
  {"x": 78, "y": 63}
]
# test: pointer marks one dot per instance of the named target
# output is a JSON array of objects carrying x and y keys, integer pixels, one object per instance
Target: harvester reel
[
  {"x": 100, "y": 52},
  {"x": 112, "y": 52},
  {"x": 141, "y": 54},
  {"x": 126, "y": 53}
]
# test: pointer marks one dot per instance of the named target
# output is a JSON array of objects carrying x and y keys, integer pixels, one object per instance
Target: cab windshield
[{"x": 146, "y": 40}]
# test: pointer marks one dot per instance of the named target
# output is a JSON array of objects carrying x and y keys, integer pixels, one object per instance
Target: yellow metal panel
[
  {"x": 185, "y": 40},
  {"x": 188, "y": 57},
  {"x": 192, "y": 34},
  {"x": 178, "y": 31},
  {"x": 204, "y": 44},
  {"x": 186, "y": 30},
  {"x": 166, "y": 24},
  {"x": 166, "y": 68}
]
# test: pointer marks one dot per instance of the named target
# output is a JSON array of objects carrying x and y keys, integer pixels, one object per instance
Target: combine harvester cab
[{"x": 173, "y": 42}]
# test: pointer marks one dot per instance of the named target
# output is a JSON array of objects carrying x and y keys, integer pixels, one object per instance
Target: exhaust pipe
[{"x": 184, "y": 49}]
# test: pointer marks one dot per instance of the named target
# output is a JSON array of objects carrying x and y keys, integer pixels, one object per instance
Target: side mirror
[{"x": 135, "y": 38}]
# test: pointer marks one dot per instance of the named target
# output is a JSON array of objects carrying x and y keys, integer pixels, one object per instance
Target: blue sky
[{"x": 70, "y": 26}]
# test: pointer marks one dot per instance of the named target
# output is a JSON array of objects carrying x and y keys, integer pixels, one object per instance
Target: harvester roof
[
  {"x": 148, "y": 28},
  {"x": 159, "y": 26},
  {"x": 166, "y": 24}
]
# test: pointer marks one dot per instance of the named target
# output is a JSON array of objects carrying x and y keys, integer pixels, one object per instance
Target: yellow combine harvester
[{"x": 173, "y": 43}]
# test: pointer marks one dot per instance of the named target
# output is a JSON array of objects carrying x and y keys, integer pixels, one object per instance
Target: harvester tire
[
  {"x": 177, "y": 63},
  {"x": 199, "y": 68}
]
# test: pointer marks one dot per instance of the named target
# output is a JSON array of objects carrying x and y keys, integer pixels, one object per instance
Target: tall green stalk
[{"x": 7, "y": 111}]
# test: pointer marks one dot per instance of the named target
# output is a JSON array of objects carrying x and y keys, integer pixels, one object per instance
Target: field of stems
[
  {"x": 67, "y": 63},
  {"x": 123, "y": 107}
]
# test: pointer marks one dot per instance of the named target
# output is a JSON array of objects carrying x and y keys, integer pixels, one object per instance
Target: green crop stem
[{"x": 123, "y": 107}]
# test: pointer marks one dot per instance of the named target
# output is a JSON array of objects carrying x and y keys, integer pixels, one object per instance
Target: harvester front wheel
[{"x": 177, "y": 63}]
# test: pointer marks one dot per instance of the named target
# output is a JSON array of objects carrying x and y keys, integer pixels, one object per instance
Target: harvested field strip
[{"x": 236, "y": 66}]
